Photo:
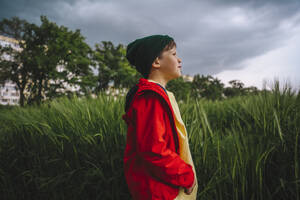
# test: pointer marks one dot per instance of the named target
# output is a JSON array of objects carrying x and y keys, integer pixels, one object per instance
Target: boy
[{"x": 157, "y": 159}]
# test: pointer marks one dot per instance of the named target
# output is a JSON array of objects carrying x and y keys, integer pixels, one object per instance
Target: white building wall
[{"x": 9, "y": 95}]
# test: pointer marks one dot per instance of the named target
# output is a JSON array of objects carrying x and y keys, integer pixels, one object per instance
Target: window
[{"x": 16, "y": 94}]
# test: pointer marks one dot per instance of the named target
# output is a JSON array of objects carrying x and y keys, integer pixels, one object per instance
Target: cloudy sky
[{"x": 252, "y": 41}]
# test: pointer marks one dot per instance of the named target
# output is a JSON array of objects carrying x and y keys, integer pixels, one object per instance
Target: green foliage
[
  {"x": 50, "y": 58},
  {"x": 180, "y": 88},
  {"x": 113, "y": 66},
  {"x": 237, "y": 89},
  {"x": 207, "y": 87},
  {"x": 246, "y": 147},
  {"x": 64, "y": 149},
  {"x": 11, "y": 64},
  {"x": 14, "y": 27}
]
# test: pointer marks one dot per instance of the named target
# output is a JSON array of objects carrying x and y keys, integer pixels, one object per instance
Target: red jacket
[{"x": 152, "y": 165}]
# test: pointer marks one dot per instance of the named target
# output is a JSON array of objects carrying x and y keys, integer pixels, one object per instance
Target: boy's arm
[{"x": 162, "y": 162}]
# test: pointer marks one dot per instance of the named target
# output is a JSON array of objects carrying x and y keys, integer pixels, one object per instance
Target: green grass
[{"x": 243, "y": 148}]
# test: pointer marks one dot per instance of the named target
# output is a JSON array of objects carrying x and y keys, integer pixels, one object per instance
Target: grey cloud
[
  {"x": 212, "y": 36},
  {"x": 30, "y": 9}
]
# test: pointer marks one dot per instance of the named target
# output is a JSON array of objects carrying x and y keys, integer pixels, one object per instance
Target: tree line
[{"x": 51, "y": 58}]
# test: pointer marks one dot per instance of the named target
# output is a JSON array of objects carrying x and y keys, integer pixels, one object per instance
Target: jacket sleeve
[{"x": 162, "y": 162}]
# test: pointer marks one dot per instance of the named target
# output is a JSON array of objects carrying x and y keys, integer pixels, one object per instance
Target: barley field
[{"x": 243, "y": 148}]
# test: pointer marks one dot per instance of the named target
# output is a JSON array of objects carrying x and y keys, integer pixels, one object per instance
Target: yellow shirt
[{"x": 184, "y": 149}]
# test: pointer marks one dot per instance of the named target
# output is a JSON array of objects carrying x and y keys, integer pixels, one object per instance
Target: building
[
  {"x": 9, "y": 95},
  {"x": 6, "y": 41},
  {"x": 187, "y": 78}
]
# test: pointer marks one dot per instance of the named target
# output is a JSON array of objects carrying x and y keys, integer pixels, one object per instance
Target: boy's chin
[{"x": 177, "y": 76}]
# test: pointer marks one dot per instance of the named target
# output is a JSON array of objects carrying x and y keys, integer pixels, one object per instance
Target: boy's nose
[{"x": 179, "y": 60}]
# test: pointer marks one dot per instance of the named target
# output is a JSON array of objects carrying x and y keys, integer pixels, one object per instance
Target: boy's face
[{"x": 170, "y": 64}]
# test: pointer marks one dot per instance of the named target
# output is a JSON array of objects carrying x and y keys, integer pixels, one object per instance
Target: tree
[
  {"x": 236, "y": 84},
  {"x": 207, "y": 86},
  {"x": 52, "y": 58},
  {"x": 180, "y": 88},
  {"x": 251, "y": 90},
  {"x": 13, "y": 27},
  {"x": 236, "y": 88},
  {"x": 11, "y": 65},
  {"x": 113, "y": 67},
  {"x": 60, "y": 57}
]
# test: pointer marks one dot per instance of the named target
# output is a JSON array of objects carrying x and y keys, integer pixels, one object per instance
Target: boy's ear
[{"x": 156, "y": 63}]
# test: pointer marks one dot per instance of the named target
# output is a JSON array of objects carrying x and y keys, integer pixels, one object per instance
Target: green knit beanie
[{"x": 142, "y": 52}]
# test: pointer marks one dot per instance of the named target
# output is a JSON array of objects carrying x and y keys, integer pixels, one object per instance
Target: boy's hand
[{"x": 188, "y": 191}]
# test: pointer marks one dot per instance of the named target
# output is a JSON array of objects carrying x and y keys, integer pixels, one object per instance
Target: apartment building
[
  {"x": 9, "y": 95},
  {"x": 187, "y": 78}
]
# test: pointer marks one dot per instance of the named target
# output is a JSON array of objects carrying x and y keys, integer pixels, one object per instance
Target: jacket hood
[{"x": 140, "y": 88}]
